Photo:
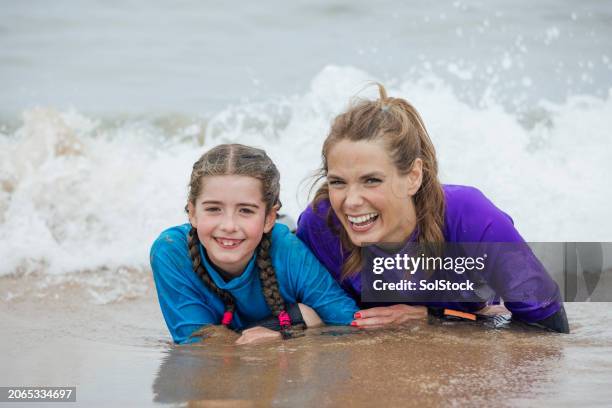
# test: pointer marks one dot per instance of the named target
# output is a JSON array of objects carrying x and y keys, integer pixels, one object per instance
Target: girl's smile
[{"x": 228, "y": 243}]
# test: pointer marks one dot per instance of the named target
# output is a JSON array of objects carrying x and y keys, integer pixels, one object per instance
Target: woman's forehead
[{"x": 367, "y": 156}]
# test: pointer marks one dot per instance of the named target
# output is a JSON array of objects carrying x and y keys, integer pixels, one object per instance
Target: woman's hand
[
  {"x": 257, "y": 335},
  {"x": 385, "y": 316}
]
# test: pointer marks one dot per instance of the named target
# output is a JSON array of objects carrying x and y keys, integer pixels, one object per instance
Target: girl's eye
[
  {"x": 247, "y": 211},
  {"x": 212, "y": 209}
]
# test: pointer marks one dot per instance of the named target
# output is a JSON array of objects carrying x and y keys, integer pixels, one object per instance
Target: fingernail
[
  {"x": 353, "y": 323},
  {"x": 357, "y": 315}
]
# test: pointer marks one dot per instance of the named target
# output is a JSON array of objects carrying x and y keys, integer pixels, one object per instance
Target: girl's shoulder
[
  {"x": 171, "y": 241},
  {"x": 287, "y": 248},
  {"x": 282, "y": 237}
]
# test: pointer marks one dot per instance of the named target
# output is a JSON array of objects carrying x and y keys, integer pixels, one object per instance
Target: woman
[{"x": 382, "y": 186}]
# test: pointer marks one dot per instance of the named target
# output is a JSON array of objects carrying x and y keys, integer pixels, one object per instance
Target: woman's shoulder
[
  {"x": 315, "y": 214},
  {"x": 470, "y": 214},
  {"x": 466, "y": 200}
]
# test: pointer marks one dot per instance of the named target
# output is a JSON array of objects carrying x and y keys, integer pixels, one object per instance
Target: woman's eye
[
  {"x": 373, "y": 180},
  {"x": 336, "y": 183}
]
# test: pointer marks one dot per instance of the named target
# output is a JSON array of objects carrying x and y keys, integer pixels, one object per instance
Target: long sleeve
[
  {"x": 311, "y": 283},
  {"x": 184, "y": 309},
  {"x": 513, "y": 271}
]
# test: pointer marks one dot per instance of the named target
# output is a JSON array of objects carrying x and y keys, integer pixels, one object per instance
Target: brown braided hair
[
  {"x": 400, "y": 126},
  {"x": 241, "y": 160}
]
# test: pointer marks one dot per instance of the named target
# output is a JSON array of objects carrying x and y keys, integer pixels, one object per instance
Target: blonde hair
[{"x": 398, "y": 124}]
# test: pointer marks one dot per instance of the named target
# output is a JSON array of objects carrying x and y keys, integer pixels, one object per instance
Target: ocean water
[{"x": 106, "y": 105}]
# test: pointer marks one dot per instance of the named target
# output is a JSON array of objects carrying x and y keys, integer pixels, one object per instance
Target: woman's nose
[{"x": 354, "y": 198}]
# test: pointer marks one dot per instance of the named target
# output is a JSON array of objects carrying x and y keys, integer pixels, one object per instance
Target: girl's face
[
  {"x": 230, "y": 217},
  {"x": 372, "y": 200}
]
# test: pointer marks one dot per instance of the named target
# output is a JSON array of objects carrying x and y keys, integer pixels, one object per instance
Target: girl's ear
[
  {"x": 415, "y": 177},
  {"x": 271, "y": 218},
  {"x": 192, "y": 217}
]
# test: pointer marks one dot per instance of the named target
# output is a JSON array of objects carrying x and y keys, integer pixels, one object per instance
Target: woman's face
[{"x": 372, "y": 200}]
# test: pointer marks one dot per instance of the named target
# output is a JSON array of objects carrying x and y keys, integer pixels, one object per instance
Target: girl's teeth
[{"x": 228, "y": 243}]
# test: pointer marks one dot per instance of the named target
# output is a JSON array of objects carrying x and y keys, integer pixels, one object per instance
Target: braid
[
  {"x": 269, "y": 284},
  {"x": 240, "y": 160},
  {"x": 193, "y": 243}
]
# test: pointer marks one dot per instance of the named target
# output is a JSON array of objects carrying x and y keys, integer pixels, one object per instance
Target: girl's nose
[{"x": 228, "y": 223}]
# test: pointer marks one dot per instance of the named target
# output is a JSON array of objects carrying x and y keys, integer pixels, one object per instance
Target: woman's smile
[{"x": 362, "y": 223}]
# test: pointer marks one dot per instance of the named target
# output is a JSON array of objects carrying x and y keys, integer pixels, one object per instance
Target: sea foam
[{"x": 79, "y": 193}]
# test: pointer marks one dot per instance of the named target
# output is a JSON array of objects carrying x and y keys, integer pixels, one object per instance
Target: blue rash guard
[{"x": 187, "y": 304}]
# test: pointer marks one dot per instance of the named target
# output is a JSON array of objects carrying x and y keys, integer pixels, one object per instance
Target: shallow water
[{"x": 120, "y": 353}]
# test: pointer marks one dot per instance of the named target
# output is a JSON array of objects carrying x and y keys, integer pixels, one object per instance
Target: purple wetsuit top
[{"x": 469, "y": 217}]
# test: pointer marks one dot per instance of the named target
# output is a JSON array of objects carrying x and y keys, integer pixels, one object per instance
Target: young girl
[
  {"x": 382, "y": 185},
  {"x": 232, "y": 265}
]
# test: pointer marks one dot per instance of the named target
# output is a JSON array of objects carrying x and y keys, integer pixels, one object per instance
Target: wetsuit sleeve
[
  {"x": 182, "y": 306},
  {"x": 557, "y": 322},
  {"x": 516, "y": 274},
  {"x": 273, "y": 323},
  {"x": 313, "y": 230},
  {"x": 314, "y": 286}
]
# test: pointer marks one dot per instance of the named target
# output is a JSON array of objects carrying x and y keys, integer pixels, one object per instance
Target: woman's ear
[
  {"x": 192, "y": 218},
  {"x": 415, "y": 177},
  {"x": 271, "y": 218}
]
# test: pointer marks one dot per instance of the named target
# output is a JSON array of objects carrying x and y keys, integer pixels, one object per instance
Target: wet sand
[{"x": 119, "y": 353}]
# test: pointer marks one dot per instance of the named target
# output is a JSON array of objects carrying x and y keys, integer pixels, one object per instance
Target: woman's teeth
[{"x": 362, "y": 219}]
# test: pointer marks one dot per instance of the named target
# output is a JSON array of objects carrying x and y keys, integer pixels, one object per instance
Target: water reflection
[{"x": 417, "y": 364}]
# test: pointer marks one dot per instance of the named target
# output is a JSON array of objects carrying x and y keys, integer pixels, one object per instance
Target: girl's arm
[
  {"x": 183, "y": 308},
  {"x": 312, "y": 284},
  {"x": 268, "y": 329}
]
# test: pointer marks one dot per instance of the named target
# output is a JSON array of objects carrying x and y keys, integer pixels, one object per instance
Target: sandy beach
[{"x": 120, "y": 353}]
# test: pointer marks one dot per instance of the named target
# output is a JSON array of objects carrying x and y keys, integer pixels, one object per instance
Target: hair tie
[
  {"x": 284, "y": 319},
  {"x": 227, "y": 318}
]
